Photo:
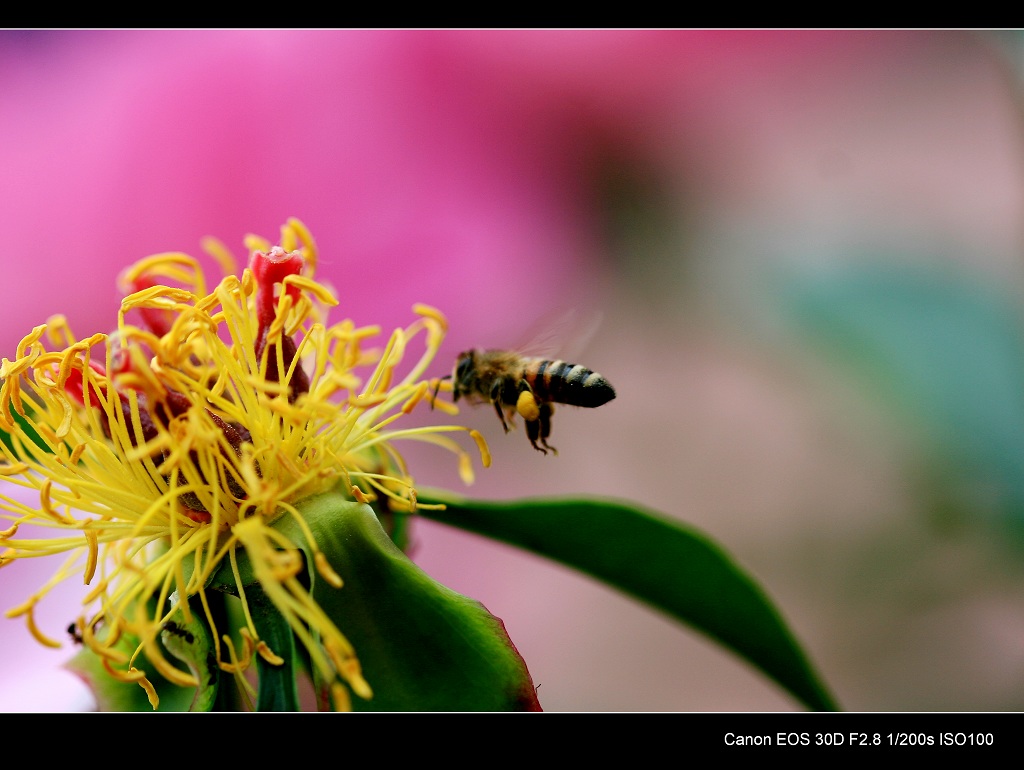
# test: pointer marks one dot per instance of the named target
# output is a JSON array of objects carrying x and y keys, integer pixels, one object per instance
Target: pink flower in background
[{"x": 444, "y": 166}]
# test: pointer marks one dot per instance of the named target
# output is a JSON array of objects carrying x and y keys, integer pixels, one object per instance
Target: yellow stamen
[
  {"x": 39, "y": 635},
  {"x": 326, "y": 571},
  {"x": 76, "y": 454},
  {"x": 421, "y": 390},
  {"x": 294, "y": 231},
  {"x": 348, "y": 668},
  {"x": 171, "y": 264},
  {"x": 154, "y": 699},
  {"x": 268, "y": 655},
  {"x": 94, "y": 551},
  {"x": 174, "y": 446},
  {"x": 216, "y": 249},
  {"x": 481, "y": 442},
  {"x": 429, "y": 311},
  {"x": 170, "y": 673},
  {"x": 132, "y": 675},
  {"x": 340, "y": 697},
  {"x": 47, "y": 505},
  {"x": 445, "y": 406},
  {"x": 321, "y": 293},
  {"x": 235, "y": 665}
]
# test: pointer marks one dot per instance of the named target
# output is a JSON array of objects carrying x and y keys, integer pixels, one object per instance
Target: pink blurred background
[{"x": 655, "y": 177}]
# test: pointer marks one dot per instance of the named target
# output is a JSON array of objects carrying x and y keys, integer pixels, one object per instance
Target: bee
[{"x": 526, "y": 385}]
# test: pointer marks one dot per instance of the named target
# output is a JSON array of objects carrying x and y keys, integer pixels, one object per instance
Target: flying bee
[{"x": 527, "y": 385}]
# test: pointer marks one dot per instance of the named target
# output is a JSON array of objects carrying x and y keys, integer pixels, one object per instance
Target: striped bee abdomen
[{"x": 566, "y": 383}]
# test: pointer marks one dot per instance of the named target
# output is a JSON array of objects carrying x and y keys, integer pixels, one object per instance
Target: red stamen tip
[{"x": 270, "y": 268}]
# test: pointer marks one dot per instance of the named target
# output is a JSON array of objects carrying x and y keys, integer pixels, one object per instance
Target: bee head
[{"x": 465, "y": 366}]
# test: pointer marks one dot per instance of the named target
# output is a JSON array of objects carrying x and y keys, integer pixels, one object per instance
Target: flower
[
  {"x": 487, "y": 157},
  {"x": 165, "y": 452}
]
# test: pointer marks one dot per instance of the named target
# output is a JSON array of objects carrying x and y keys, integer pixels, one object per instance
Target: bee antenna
[{"x": 437, "y": 389}]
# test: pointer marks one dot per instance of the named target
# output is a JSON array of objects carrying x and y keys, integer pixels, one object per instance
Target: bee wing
[{"x": 561, "y": 335}]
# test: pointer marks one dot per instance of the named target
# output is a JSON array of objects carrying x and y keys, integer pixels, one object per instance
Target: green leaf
[
  {"x": 661, "y": 562},
  {"x": 23, "y": 435},
  {"x": 422, "y": 647}
]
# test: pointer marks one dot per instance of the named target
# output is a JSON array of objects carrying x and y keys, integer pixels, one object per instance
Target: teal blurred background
[{"x": 813, "y": 320}]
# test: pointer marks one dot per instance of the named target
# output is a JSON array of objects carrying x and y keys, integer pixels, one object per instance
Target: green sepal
[
  {"x": 192, "y": 643},
  {"x": 421, "y": 646},
  {"x": 659, "y": 561},
  {"x": 114, "y": 695},
  {"x": 278, "y": 685}
]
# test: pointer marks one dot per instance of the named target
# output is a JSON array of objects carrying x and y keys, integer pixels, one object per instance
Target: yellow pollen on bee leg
[{"x": 527, "y": 407}]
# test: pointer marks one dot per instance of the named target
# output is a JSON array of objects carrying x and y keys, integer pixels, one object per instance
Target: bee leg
[
  {"x": 544, "y": 420},
  {"x": 496, "y": 400},
  {"x": 533, "y": 433},
  {"x": 501, "y": 415},
  {"x": 437, "y": 389}
]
